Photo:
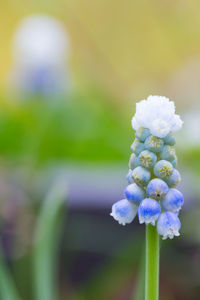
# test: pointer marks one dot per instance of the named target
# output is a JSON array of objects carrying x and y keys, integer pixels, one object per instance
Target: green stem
[{"x": 152, "y": 264}]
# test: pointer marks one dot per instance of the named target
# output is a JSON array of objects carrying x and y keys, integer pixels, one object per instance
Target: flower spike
[{"x": 152, "y": 176}]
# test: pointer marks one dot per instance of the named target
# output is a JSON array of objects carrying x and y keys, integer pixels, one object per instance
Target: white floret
[
  {"x": 157, "y": 113},
  {"x": 160, "y": 128},
  {"x": 177, "y": 123}
]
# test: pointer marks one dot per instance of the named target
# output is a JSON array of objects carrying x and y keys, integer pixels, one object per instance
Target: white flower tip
[{"x": 157, "y": 113}]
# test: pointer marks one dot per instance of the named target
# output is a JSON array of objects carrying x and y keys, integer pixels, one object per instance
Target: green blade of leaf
[
  {"x": 46, "y": 243},
  {"x": 8, "y": 289}
]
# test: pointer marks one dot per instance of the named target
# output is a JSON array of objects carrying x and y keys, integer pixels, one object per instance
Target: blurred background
[{"x": 71, "y": 73}]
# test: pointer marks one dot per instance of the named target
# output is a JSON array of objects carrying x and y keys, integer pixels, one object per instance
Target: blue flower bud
[
  {"x": 154, "y": 144},
  {"x": 168, "y": 225},
  {"x": 168, "y": 153},
  {"x": 163, "y": 169},
  {"x": 134, "y": 193},
  {"x": 170, "y": 140},
  {"x": 137, "y": 146},
  {"x": 174, "y": 162},
  {"x": 142, "y": 133},
  {"x": 157, "y": 189},
  {"x": 173, "y": 201},
  {"x": 133, "y": 162},
  {"x": 147, "y": 159},
  {"x": 149, "y": 211},
  {"x": 124, "y": 211},
  {"x": 141, "y": 176},
  {"x": 129, "y": 177},
  {"x": 174, "y": 179}
]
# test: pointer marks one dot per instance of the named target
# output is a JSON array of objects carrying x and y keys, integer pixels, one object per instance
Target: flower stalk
[{"x": 152, "y": 264}]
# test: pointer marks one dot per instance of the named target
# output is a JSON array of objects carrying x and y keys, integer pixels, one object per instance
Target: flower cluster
[{"x": 152, "y": 178}]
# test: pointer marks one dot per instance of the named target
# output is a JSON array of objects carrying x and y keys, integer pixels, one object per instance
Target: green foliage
[
  {"x": 190, "y": 158},
  {"x": 83, "y": 127}
]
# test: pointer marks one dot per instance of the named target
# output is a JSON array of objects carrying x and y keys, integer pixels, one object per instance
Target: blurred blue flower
[{"x": 40, "y": 52}]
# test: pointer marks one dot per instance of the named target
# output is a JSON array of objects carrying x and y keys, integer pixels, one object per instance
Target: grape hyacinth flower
[
  {"x": 169, "y": 140},
  {"x": 163, "y": 169},
  {"x": 142, "y": 133},
  {"x": 124, "y": 211},
  {"x": 149, "y": 211},
  {"x": 134, "y": 193},
  {"x": 154, "y": 144},
  {"x": 129, "y": 177},
  {"x": 174, "y": 179},
  {"x": 152, "y": 179},
  {"x": 173, "y": 201},
  {"x": 133, "y": 162},
  {"x": 168, "y": 225},
  {"x": 157, "y": 189},
  {"x": 152, "y": 175},
  {"x": 147, "y": 159},
  {"x": 175, "y": 162},
  {"x": 168, "y": 153},
  {"x": 137, "y": 146},
  {"x": 141, "y": 176}
]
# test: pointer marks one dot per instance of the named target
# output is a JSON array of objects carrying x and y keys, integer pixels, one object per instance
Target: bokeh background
[{"x": 65, "y": 118}]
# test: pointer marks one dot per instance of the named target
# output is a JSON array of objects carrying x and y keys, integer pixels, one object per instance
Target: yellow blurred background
[{"x": 130, "y": 48}]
